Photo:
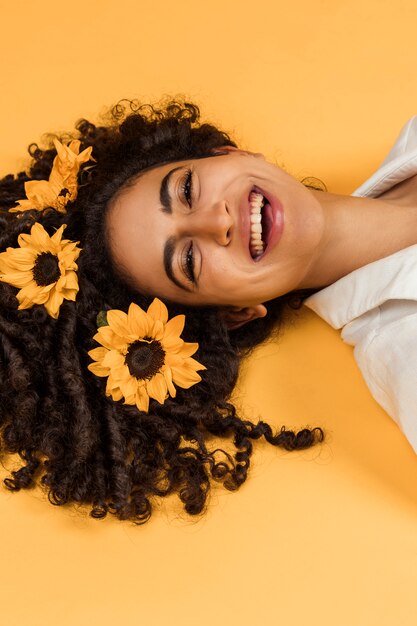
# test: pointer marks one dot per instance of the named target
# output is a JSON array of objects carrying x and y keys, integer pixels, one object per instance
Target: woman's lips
[{"x": 277, "y": 227}]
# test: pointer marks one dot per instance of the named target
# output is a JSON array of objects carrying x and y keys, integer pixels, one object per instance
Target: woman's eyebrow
[{"x": 164, "y": 195}]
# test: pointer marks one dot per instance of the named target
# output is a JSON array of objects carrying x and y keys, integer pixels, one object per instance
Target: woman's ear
[
  {"x": 238, "y": 316},
  {"x": 229, "y": 149}
]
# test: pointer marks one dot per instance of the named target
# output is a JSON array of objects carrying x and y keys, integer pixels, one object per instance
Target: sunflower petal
[
  {"x": 174, "y": 327},
  {"x": 66, "y": 261},
  {"x": 121, "y": 373},
  {"x": 129, "y": 387},
  {"x": 188, "y": 349},
  {"x": 184, "y": 378},
  {"x": 20, "y": 279},
  {"x": 113, "y": 359},
  {"x": 98, "y": 354},
  {"x": 21, "y": 259},
  {"x": 116, "y": 394},
  {"x": 111, "y": 384},
  {"x": 157, "y": 388},
  {"x": 142, "y": 399},
  {"x": 117, "y": 321},
  {"x": 33, "y": 298},
  {"x": 137, "y": 321},
  {"x": 56, "y": 237},
  {"x": 157, "y": 330},
  {"x": 40, "y": 238},
  {"x": 109, "y": 339},
  {"x": 24, "y": 240},
  {"x": 173, "y": 359},
  {"x": 53, "y": 304},
  {"x": 25, "y": 303},
  {"x": 158, "y": 311},
  {"x": 70, "y": 294},
  {"x": 98, "y": 370},
  {"x": 168, "y": 379},
  {"x": 192, "y": 364},
  {"x": 68, "y": 283}
]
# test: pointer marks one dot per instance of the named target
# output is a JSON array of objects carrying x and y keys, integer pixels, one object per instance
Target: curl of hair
[{"x": 54, "y": 413}]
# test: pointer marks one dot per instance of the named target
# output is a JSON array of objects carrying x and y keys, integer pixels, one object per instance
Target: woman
[
  {"x": 355, "y": 254},
  {"x": 101, "y": 397}
]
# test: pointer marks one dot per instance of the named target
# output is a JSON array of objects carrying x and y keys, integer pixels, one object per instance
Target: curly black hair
[{"x": 84, "y": 447}]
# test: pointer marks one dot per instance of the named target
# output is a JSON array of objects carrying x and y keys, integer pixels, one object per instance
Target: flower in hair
[
  {"x": 43, "y": 267},
  {"x": 143, "y": 355},
  {"x": 62, "y": 185}
]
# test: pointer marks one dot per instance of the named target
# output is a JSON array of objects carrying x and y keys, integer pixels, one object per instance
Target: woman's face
[{"x": 204, "y": 230}]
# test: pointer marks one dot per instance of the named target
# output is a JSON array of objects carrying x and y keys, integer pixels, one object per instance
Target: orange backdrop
[{"x": 326, "y": 536}]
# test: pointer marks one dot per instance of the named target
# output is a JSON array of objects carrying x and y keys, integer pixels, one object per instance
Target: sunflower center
[
  {"x": 46, "y": 269},
  {"x": 144, "y": 360}
]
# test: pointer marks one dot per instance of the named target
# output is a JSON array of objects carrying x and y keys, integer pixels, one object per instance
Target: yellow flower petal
[
  {"x": 66, "y": 261},
  {"x": 158, "y": 311},
  {"x": 142, "y": 399},
  {"x": 98, "y": 354},
  {"x": 56, "y": 237},
  {"x": 157, "y": 331},
  {"x": 22, "y": 259},
  {"x": 188, "y": 349},
  {"x": 98, "y": 370},
  {"x": 129, "y": 387},
  {"x": 70, "y": 280},
  {"x": 174, "y": 327},
  {"x": 171, "y": 358},
  {"x": 193, "y": 365},
  {"x": 121, "y": 374},
  {"x": 116, "y": 394},
  {"x": 39, "y": 193},
  {"x": 53, "y": 304},
  {"x": 25, "y": 304},
  {"x": 109, "y": 339},
  {"x": 137, "y": 321},
  {"x": 40, "y": 238},
  {"x": 157, "y": 388},
  {"x": 184, "y": 378},
  {"x": 24, "y": 240},
  {"x": 113, "y": 359},
  {"x": 70, "y": 246},
  {"x": 70, "y": 294},
  {"x": 21, "y": 279},
  {"x": 110, "y": 385},
  {"x": 117, "y": 321},
  {"x": 33, "y": 293},
  {"x": 168, "y": 379}
]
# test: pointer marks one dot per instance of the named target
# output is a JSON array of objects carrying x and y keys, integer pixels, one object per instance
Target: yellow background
[{"x": 326, "y": 536}]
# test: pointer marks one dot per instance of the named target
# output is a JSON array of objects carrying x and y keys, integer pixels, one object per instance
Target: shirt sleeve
[{"x": 387, "y": 358}]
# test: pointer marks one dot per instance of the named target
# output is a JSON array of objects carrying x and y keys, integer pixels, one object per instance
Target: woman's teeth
[{"x": 256, "y": 201}]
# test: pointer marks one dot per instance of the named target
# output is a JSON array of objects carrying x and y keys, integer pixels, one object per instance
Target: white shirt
[{"x": 376, "y": 305}]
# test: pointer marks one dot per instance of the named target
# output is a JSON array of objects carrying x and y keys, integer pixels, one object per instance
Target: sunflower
[
  {"x": 142, "y": 355},
  {"x": 43, "y": 267},
  {"x": 62, "y": 184}
]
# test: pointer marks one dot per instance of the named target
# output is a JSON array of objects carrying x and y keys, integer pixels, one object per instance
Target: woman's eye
[
  {"x": 188, "y": 263},
  {"x": 187, "y": 187}
]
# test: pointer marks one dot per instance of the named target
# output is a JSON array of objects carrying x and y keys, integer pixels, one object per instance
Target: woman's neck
[{"x": 359, "y": 231}]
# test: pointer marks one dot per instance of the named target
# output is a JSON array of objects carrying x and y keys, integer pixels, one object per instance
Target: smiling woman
[
  {"x": 194, "y": 233},
  {"x": 134, "y": 277}
]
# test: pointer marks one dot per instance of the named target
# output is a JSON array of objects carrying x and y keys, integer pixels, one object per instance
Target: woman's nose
[{"x": 210, "y": 221}]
